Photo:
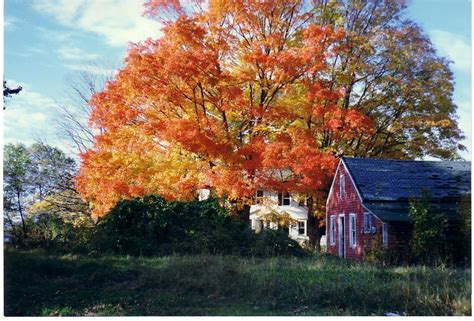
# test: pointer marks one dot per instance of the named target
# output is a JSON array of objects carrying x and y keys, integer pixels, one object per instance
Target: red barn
[{"x": 370, "y": 198}]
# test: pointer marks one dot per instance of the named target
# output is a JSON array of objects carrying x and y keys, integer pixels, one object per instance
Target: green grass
[{"x": 41, "y": 283}]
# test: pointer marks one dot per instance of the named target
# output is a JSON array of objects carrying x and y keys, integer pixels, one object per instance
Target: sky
[{"x": 47, "y": 42}]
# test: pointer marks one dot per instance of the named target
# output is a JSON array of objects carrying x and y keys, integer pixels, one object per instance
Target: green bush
[
  {"x": 55, "y": 231},
  {"x": 375, "y": 252},
  {"x": 427, "y": 242},
  {"x": 432, "y": 241},
  {"x": 275, "y": 242},
  {"x": 460, "y": 240},
  {"x": 152, "y": 226}
]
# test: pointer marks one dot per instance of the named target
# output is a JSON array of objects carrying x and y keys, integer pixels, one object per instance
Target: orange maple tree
[{"x": 232, "y": 97}]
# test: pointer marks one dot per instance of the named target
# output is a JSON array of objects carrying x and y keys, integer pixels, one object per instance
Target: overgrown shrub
[
  {"x": 375, "y": 252},
  {"x": 433, "y": 239},
  {"x": 275, "y": 242},
  {"x": 152, "y": 226},
  {"x": 427, "y": 242},
  {"x": 463, "y": 242},
  {"x": 55, "y": 231}
]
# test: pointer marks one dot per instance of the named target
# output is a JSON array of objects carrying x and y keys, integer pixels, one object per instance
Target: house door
[{"x": 341, "y": 234}]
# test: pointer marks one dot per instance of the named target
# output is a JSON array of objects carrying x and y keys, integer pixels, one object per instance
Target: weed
[{"x": 41, "y": 283}]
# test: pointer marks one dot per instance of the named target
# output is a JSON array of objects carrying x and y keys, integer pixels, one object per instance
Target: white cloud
[
  {"x": 28, "y": 116},
  {"x": 11, "y": 22},
  {"x": 117, "y": 21},
  {"x": 465, "y": 123},
  {"x": 455, "y": 47},
  {"x": 64, "y": 11},
  {"x": 93, "y": 69},
  {"x": 74, "y": 53},
  {"x": 52, "y": 35}
]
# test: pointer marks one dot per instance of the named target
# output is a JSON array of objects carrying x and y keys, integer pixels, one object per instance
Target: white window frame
[
  {"x": 341, "y": 237},
  {"x": 284, "y": 196},
  {"x": 254, "y": 224},
  {"x": 341, "y": 186},
  {"x": 367, "y": 222},
  {"x": 304, "y": 227},
  {"x": 385, "y": 234},
  {"x": 352, "y": 230},
  {"x": 332, "y": 230}
]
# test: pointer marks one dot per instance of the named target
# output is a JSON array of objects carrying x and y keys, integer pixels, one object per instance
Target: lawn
[{"x": 42, "y": 283}]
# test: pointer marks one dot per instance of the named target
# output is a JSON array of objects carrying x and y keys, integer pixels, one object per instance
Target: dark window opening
[
  {"x": 283, "y": 198},
  {"x": 301, "y": 227}
]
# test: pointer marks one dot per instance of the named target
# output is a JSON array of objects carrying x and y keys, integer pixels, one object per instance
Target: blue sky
[{"x": 47, "y": 41}]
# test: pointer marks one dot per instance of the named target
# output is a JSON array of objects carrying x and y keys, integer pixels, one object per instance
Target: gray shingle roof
[{"x": 397, "y": 180}]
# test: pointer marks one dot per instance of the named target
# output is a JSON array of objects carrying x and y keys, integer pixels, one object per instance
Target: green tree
[
  {"x": 38, "y": 174},
  {"x": 463, "y": 237},
  {"x": 51, "y": 171},
  {"x": 242, "y": 95},
  {"x": 16, "y": 182},
  {"x": 390, "y": 72},
  {"x": 428, "y": 237}
]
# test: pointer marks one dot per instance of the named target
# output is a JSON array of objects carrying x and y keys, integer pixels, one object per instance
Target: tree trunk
[
  {"x": 313, "y": 229},
  {"x": 244, "y": 213},
  {"x": 20, "y": 210}
]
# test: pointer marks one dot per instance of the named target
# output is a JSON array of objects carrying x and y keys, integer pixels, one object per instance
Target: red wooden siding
[{"x": 348, "y": 204}]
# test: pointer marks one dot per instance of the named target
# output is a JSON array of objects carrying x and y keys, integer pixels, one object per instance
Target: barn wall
[{"x": 349, "y": 203}]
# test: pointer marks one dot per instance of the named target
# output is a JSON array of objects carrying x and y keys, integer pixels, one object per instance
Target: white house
[
  {"x": 268, "y": 205},
  {"x": 269, "y": 202}
]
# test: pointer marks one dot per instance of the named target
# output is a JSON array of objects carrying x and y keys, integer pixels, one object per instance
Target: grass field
[{"x": 41, "y": 283}]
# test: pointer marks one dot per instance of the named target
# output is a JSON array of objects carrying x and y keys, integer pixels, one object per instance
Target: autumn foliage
[{"x": 232, "y": 97}]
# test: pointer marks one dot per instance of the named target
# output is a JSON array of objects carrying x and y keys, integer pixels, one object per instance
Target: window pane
[
  {"x": 384, "y": 233},
  {"x": 286, "y": 199},
  {"x": 341, "y": 186},
  {"x": 301, "y": 228},
  {"x": 352, "y": 229},
  {"x": 367, "y": 222},
  {"x": 332, "y": 230}
]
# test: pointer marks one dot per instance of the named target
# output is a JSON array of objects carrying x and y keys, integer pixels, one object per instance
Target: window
[
  {"x": 367, "y": 222},
  {"x": 352, "y": 230},
  {"x": 283, "y": 198},
  {"x": 301, "y": 227},
  {"x": 333, "y": 230},
  {"x": 341, "y": 186},
  {"x": 384, "y": 234},
  {"x": 259, "y": 196}
]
